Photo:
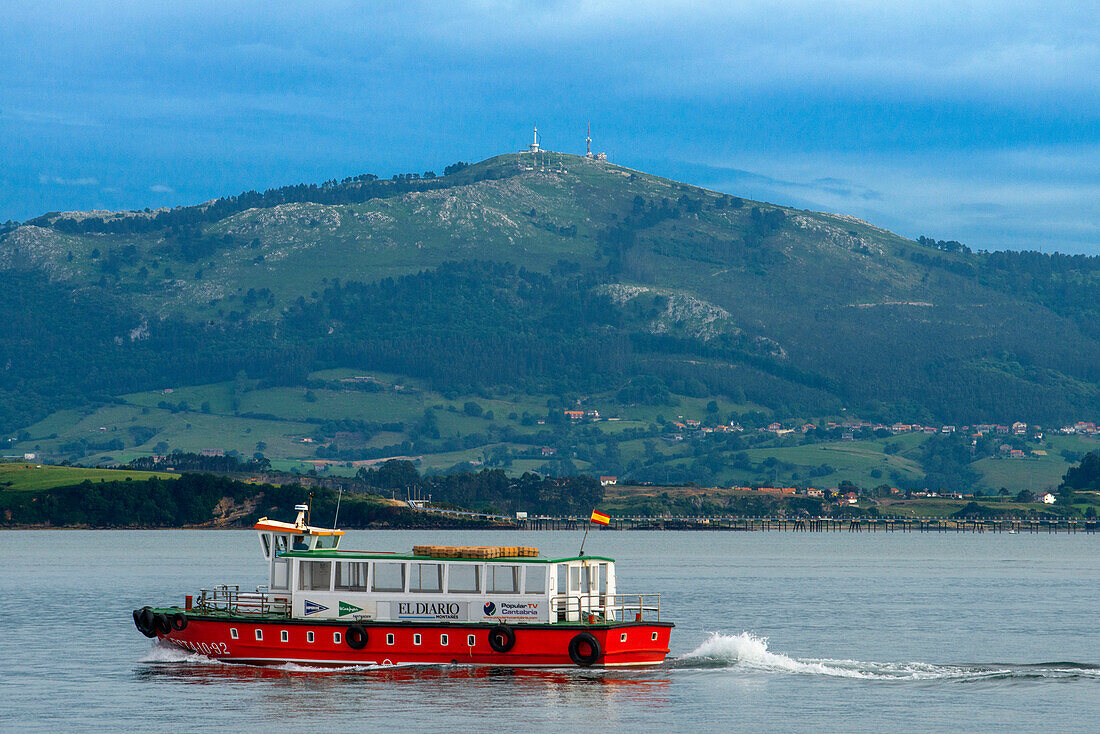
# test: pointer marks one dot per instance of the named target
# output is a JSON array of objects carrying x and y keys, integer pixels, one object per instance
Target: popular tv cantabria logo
[{"x": 490, "y": 608}]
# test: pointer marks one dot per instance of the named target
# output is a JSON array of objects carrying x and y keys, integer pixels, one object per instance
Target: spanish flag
[{"x": 599, "y": 518}]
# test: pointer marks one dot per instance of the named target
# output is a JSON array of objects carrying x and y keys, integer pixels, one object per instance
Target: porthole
[
  {"x": 653, "y": 637},
  {"x": 416, "y": 639},
  {"x": 444, "y": 640},
  {"x": 284, "y": 636},
  {"x": 622, "y": 637},
  {"x": 232, "y": 633},
  {"x": 470, "y": 640},
  {"x": 309, "y": 636},
  {"x": 259, "y": 635},
  {"x": 389, "y": 639},
  {"x": 337, "y": 638}
]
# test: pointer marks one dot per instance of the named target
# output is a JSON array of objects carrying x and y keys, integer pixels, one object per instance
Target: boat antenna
[{"x": 337, "y": 515}]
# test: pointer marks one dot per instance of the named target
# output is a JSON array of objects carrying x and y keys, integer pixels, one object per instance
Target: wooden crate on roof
[{"x": 480, "y": 552}]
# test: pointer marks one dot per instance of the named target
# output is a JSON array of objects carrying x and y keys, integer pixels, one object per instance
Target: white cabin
[{"x": 320, "y": 581}]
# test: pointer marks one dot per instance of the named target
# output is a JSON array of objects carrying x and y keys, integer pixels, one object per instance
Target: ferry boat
[{"x": 479, "y": 605}]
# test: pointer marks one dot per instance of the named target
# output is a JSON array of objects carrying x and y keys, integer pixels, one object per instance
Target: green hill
[
  {"x": 23, "y": 477},
  {"x": 520, "y": 282}
]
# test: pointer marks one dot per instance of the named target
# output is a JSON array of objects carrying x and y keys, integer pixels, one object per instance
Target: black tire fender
[
  {"x": 580, "y": 643},
  {"x": 147, "y": 621},
  {"x": 502, "y": 638},
  {"x": 356, "y": 636},
  {"x": 140, "y": 624},
  {"x": 179, "y": 621},
  {"x": 161, "y": 623}
]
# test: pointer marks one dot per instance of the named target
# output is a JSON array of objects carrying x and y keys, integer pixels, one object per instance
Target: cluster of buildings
[
  {"x": 1019, "y": 428},
  {"x": 846, "y": 498},
  {"x": 851, "y": 498}
]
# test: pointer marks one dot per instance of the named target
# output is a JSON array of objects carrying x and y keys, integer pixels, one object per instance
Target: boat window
[
  {"x": 462, "y": 578},
  {"x": 563, "y": 579},
  {"x": 535, "y": 580},
  {"x": 389, "y": 577},
  {"x": 326, "y": 541},
  {"x": 300, "y": 543},
  {"x": 351, "y": 575},
  {"x": 578, "y": 579},
  {"x": 426, "y": 577},
  {"x": 309, "y": 636},
  {"x": 280, "y": 576},
  {"x": 284, "y": 636},
  {"x": 602, "y": 581},
  {"x": 502, "y": 579},
  {"x": 232, "y": 633},
  {"x": 444, "y": 640},
  {"x": 266, "y": 538},
  {"x": 315, "y": 575},
  {"x": 471, "y": 640},
  {"x": 280, "y": 543}
]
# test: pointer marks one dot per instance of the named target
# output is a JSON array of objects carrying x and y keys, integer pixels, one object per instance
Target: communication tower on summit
[
  {"x": 534, "y": 146},
  {"x": 588, "y": 147}
]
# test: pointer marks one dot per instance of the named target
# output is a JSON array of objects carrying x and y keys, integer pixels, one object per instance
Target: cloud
[
  {"x": 922, "y": 117},
  {"x": 38, "y": 117},
  {"x": 59, "y": 181}
]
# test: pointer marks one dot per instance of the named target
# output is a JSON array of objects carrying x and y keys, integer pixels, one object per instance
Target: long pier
[
  {"x": 795, "y": 524},
  {"x": 820, "y": 524}
]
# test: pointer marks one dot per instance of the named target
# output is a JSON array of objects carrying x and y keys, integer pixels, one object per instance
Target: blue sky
[{"x": 971, "y": 121}]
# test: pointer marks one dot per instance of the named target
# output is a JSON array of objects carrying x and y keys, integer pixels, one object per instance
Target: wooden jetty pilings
[{"x": 819, "y": 524}]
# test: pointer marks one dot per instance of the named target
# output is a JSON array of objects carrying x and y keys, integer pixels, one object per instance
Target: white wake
[{"x": 747, "y": 652}]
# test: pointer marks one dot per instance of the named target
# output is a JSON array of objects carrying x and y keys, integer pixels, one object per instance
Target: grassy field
[
  {"x": 1034, "y": 472},
  {"x": 23, "y": 477},
  {"x": 284, "y": 423},
  {"x": 855, "y": 461},
  {"x": 938, "y": 508}
]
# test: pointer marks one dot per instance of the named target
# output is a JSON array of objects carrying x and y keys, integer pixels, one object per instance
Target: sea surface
[{"x": 775, "y": 631}]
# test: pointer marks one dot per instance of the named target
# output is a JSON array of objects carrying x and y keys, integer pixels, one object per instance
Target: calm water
[{"x": 775, "y": 631}]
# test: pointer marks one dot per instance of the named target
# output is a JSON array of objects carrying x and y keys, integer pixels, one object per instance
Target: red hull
[{"x": 282, "y": 641}]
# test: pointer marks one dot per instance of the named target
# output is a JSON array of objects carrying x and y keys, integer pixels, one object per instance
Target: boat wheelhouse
[{"x": 489, "y": 605}]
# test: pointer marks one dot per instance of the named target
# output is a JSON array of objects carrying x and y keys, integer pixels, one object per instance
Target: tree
[
  {"x": 1085, "y": 475},
  {"x": 1066, "y": 495},
  {"x": 393, "y": 474},
  {"x": 1025, "y": 496}
]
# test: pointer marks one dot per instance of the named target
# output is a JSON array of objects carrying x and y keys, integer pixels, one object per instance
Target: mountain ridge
[{"x": 821, "y": 311}]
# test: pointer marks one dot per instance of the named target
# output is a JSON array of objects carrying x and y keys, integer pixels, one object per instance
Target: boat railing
[
  {"x": 230, "y": 598},
  {"x": 606, "y": 607}
]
